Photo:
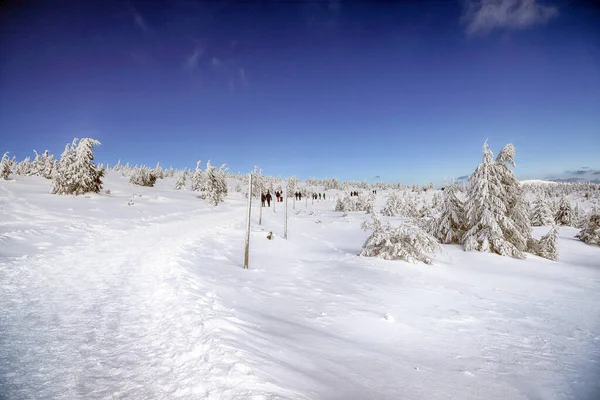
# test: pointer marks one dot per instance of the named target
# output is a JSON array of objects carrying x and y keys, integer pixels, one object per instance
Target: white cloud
[
  {"x": 139, "y": 21},
  {"x": 484, "y": 16},
  {"x": 191, "y": 61}
]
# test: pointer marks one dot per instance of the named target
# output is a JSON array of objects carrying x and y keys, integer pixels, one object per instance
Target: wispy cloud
[
  {"x": 483, "y": 16},
  {"x": 191, "y": 61},
  {"x": 579, "y": 172},
  {"x": 462, "y": 178},
  {"x": 243, "y": 77},
  {"x": 584, "y": 172},
  {"x": 138, "y": 19}
]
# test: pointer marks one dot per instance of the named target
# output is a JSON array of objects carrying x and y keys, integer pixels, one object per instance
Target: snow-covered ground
[{"x": 141, "y": 294}]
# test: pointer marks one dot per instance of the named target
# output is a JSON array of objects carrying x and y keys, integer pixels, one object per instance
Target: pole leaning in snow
[
  {"x": 260, "y": 213},
  {"x": 285, "y": 206},
  {"x": 247, "y": 247}
]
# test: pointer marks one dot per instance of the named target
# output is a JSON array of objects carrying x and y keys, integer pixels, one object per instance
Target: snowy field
[{"x": 140, "y": 294}]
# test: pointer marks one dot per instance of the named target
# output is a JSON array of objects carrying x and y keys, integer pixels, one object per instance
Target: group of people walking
[{"x": 265, "y": 198}]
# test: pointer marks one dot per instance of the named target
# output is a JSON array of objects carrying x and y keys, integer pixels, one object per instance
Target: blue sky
[{"x": 406, "y": 91}]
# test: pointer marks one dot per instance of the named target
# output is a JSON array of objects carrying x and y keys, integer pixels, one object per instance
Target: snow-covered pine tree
[
  {"x": 448, "y": 227},
  {"x": 546, "y": 247},
  {"x": 5, "y": 166},
  {"x": 63, "y": 179},
  {"x": 291, "y": 184},
  {"x": 49, "y": 165},
  {"x": 86, "y": 176},
  {"x": 180, "y": 184},
  {"x": 518, "y": 229},
  {"x": 197, "y": 176},
  {"x": 590, "y": 232},
  {"x": 24, "y": 167},
  {"x": 486, "y": 213},
  {"x": 369, "y": 203},
  {"x": 393, "y": 205},
  {"x": 583, "y": 219},
  {"x": 214, "y": 185},
  {"x": 343, "y": 204},
  {"x": 406, "y": 242},
  {"x": 259, "y": 182},
  {"x": 564, "y": 215},
  {"x": 576, "y": 218},
  {"x": 37, "y": 165},
  {"x": 542, "y": 213},
  {"x": 158, "y": 171}
]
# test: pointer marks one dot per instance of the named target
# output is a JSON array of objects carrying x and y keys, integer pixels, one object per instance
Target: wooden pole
[
  {"x": 247, "y": 248},
  {"x": 260, "y": 213},
  {"x": 285, "y": 206}
]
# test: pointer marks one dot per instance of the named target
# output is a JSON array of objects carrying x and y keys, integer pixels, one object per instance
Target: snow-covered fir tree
[
  {"x": 576, "y": 218},
  {"x": 158, "y": 171},
  {"x": 486, "y": 212},
  {"x": 87, "y": 177},
  {"x": 542, "y": 213},
  {"x": 63, "y": 179},
  {"x": 393, "y": 205},
  {"x": 37, "y": 165},
  {"x": 24, "y": 167},
  {"x": 259, "y": 183},
  {"x": 197, "y": 177},
  {"x": 546, "y": 247},
  {"x": 564, "y": 215},
  {"x": 5, "y": 169},
  {"x": 43, "y": 165},
  {"x": 590, "y": 232},
  {"x": 50, "y": 165},
  {"x": 213, "y": 187},
  {"x": 291, "y": 185},
  {"x": 142, "y": 176},
  {"x": 76, "y": 173},
  {"x": 180, "y": 184},
  {"x": 518, "y": 230},
  {"x": 405, "y": 242},
  {"x": 448, "y": 227}
]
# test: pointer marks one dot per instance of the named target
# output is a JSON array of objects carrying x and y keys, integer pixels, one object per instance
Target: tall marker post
[
  {"x": 285, "y": 206},
  {"x": 247, "y": 248},
  {"x": 260, "y": 213}
]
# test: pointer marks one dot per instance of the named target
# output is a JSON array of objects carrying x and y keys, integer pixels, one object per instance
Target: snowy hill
[
  {"x": 140, "y": 293},
  {"x": 537, "y": 181}
]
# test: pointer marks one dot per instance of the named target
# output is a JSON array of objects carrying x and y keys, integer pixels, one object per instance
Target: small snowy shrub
[
  {"x": 405, "y": 242},
  {"x": 590, "y": 233},
  {"x": 361, "y": 202},
  {"x": 546, "y": 246},
  {"x": 142, "y": 176}
]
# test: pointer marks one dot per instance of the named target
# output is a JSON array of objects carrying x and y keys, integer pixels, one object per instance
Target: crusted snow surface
[{"x": 141, "y": 294}]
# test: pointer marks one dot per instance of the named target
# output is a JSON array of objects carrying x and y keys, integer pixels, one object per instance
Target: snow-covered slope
[
  {"x": 537, "y": 182},
  {"x": 140, "y": 294}
]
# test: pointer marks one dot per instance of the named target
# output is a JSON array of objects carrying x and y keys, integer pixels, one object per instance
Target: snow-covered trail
[
  {"x": 101, "y": 298},
  {"x": 115, "y": 316}
]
